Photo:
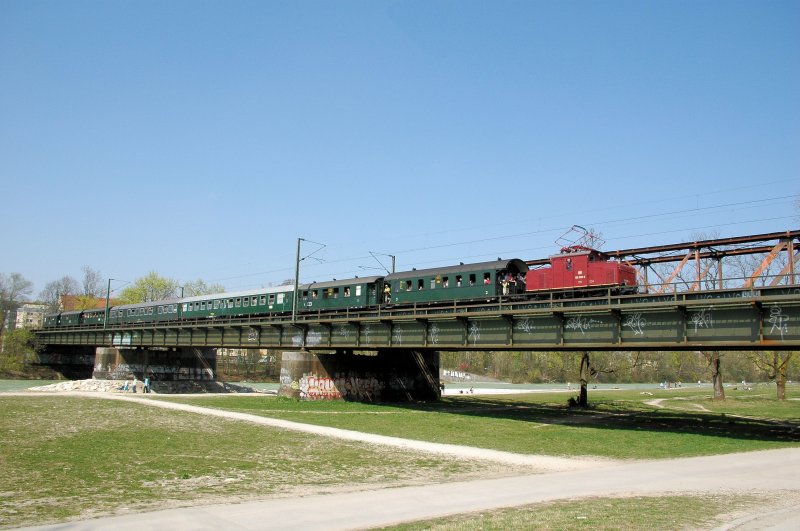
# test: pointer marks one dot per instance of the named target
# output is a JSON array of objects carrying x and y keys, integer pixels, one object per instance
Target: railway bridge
[{"x": 392, "y": 353}]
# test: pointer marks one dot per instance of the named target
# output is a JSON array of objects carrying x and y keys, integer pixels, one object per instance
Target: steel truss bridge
[{"x": 693, "y": 306}]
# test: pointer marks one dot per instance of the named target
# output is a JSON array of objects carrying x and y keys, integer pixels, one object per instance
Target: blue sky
[{"x": 200, "y": 139}]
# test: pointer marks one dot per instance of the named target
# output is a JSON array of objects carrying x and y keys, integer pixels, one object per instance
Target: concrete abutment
[{"x": 185, "y": 363}]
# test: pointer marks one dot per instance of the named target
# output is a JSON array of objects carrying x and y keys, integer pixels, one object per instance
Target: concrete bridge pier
[
  {"x": 74, "y": 362},
  {"x": 165, "y": 364},
  {"x": 400, "y": 375}
]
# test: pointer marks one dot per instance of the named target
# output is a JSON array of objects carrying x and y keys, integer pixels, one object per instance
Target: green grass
[
  {"x": 620, "y": 424},
  {"x": 639, "y": 513},
  {"x": 72, "y": 457}
]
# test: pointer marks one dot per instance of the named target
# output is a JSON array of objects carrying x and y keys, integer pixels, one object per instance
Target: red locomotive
[{"x": 582, "y": 268}]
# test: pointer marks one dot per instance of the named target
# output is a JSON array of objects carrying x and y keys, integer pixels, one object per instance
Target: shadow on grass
[{"x": 607, "y": 415}]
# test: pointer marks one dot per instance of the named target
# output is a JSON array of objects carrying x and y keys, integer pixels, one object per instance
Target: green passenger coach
[
  {"x": 340, "y": 294},
  {"x": 239, "y": 304},
  {"x": 461, "y": 282}
]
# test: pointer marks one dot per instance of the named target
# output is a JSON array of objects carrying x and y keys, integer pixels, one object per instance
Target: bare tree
[
  {"x": 53, "y": 291},
  {"x": 14, "y": 289},
  {"x": 93, "y": 283}
]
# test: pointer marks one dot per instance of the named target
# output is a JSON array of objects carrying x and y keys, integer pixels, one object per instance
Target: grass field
[
  {"x": 620, "y": 424},
  {"x": 67, "y": 457},
  {"x": 72, "y": 457}
]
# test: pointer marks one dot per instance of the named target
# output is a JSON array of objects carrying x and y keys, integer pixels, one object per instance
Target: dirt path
[{"x": 776, "y": 472}]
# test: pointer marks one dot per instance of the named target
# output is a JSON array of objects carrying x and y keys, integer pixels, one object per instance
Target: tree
[
  {"x": 149, "y": 288},
  {"x": 53, "y": 291},
  {"x": 14, "y": 290},
  {"x": 198, "y": 287},
  {"x": 713, "y": 358},
  {"x": 17, "y": 351},
  {"x": 93, "y": 285},
  {"x": 775, "y": 364}
]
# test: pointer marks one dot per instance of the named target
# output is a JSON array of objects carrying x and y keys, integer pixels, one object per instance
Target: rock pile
[{"x": 167, "y": 387}]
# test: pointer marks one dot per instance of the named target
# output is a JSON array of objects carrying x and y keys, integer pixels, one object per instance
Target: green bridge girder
[{"x": 740, "y": 319}]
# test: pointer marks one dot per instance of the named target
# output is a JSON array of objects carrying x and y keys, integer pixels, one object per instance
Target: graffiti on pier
[
  {"x": 474, "y": 332},
  {"x": 397, "y": 336},
  {"x": 636, "y": 323},
  {"x": 313, "y": 338},
  {"x": 252, "y": 334},
  {"x": 315, "y": 387},
  {"x": 778, "y": 320},
  {"x": 434, "y": 333},
  {"x": 344, "y": 332},
  {"x": 702, "y": 319},
  {"x": 581, "y": 324},
  {"x": 525, "y": 325}
]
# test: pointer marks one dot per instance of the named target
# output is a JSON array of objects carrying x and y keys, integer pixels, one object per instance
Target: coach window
[
  {"x": 203, "y": 305},
  {"x": 433, "y": 283},
  {"x": 487, "y": 278},
  {"x": 472, "y": 280},
  {"x": 254, "y": 301},
  {"x": 263, "y": 299},
  {"x": 347, "y": 291},
  {"x": 445, "y": 281},
  {"x": 458, "y": 281},
  {"x": 358, "y": 290},
  {"x": 246, "y": 302},
  {"x": 420, "y": 285},
  {"x": 230, "y": 303},
  {"x": 408, "y": 285},
  {"x": 271, "y": 300},
  {"x": 335, "y": 293},
  {"x": 150, "y": 311},
  {"x": 238, "y": 302}
]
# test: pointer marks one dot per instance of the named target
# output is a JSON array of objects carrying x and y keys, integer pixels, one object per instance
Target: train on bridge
[{"x": 578, "y": 271}]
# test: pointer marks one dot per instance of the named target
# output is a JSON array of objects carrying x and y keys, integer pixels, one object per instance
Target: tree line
[{"x": 628, "y": 366}]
